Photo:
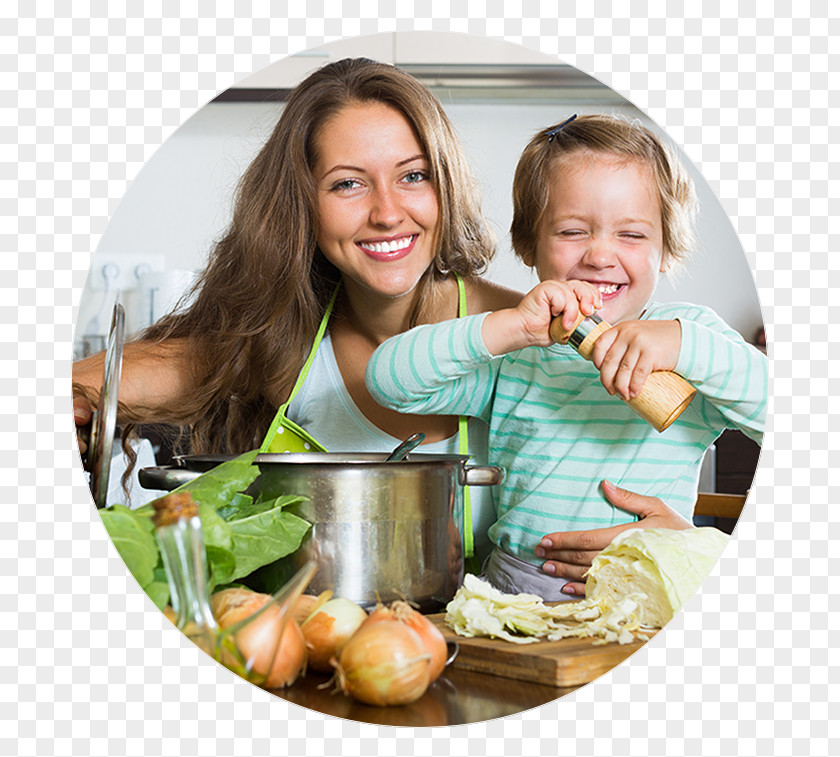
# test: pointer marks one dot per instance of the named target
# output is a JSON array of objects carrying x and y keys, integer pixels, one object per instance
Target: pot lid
[{"x": 104, "y": 421}]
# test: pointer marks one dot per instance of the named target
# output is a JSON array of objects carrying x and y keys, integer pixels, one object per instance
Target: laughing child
[{"x": 602, "y": 208}]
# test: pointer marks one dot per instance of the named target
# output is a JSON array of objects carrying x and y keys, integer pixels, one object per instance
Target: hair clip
[{"x": 553, "y": 132}]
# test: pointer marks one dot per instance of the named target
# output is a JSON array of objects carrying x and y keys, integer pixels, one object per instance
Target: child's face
[{"x": 603, "y": 225}]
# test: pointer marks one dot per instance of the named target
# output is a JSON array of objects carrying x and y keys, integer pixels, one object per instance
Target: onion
[
  {"x": 384, "y": 663},
  {"x": 431, "y": 636},
  {"x": 307, "y": 604},
  {"x": 327, "y": 630},
  {"x": 278, "y": 658},
  {"x": 380, "y": 612}
]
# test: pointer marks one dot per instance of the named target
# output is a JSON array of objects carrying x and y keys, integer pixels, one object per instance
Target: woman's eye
[
  {"x": 345, "y": 184},
  {"x": 415, "y": 177}
]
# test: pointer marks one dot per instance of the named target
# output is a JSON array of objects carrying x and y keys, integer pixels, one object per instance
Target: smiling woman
[{"x": 357, "y": 219}]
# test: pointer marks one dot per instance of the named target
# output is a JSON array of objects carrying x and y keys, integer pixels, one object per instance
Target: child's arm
[
  {"x": 438, "y": 369},
  {"x": 731, "y": 374},
  {"x": 696, "y": 343},
  {"x": 448, "y": 368}
]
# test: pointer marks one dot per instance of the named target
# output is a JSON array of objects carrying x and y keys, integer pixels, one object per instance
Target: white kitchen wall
[{"x": 180, "y": 202}]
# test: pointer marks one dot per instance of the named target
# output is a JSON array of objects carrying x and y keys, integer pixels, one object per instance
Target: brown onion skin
[
  {"x": 303, "y": 607},
  {"x": 384, "y": 664},
  {"x": 323, "y": 640},
  {"x": 281, "y": 661},
  {"x": 432, "y": 638},
  {"x": 430, "y": 634}
]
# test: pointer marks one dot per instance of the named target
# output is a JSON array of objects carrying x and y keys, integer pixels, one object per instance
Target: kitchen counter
[
  {"x": 488, "y": 679},
  {"x": 456, "y": 698}
]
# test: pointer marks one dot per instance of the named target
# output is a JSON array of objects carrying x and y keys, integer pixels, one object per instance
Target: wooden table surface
[
  {"x": 456, "y": 698},
  {"x": 488, "y": 679}
]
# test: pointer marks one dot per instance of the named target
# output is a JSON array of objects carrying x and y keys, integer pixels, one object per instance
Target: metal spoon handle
[{"x": 404, "y": 448}]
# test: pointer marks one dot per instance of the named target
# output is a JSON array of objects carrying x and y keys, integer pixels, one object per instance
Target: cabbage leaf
[{"x": 634, "y": 585}]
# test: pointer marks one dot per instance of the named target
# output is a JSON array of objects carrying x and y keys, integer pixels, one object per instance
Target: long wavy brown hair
[{"x": 256, "y": 306}]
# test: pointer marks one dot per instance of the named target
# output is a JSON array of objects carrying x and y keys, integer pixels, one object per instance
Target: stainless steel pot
[{"x": 380, "y": 531}]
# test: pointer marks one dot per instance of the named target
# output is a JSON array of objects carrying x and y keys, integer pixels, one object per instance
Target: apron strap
[
  {"x": 463, "y": 439},
  {"x": 304, "y": 372}
]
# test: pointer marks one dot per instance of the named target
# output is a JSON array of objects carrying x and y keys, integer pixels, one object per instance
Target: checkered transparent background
[{"x": 91, "y": 668}]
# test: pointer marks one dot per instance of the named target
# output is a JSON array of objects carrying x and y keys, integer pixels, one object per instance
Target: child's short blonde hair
[{"x": 613, "y": 135}]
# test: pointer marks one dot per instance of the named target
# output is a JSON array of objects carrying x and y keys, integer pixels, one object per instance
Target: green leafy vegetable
[
  {"x": 240, "y": 534},
  {"x": 666, "y": 566},
  {"x": 134, "y": 538}
]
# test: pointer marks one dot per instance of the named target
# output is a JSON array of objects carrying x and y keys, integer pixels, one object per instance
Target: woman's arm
[
  {"x": 153, "y": 376},
  {"x": 569, "y": 554}
]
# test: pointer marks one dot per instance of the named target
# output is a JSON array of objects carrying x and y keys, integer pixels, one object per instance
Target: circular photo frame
[{"x": 273, "y": 243}]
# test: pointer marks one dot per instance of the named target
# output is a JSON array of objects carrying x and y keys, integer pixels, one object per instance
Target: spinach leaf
[
  {"x": 218, "y": 486},
  {"x": 158, "y": 592},
  {"x": 133, "y": 536},
  {"x": 222, "y": 565},
  {"x": 264, "y": 536},
  {"x": 240, "y": 535},
  {"x": 238, "y": 501}
]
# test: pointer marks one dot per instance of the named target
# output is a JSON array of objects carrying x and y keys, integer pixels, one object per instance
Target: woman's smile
[{"x": 391, "y": 249}]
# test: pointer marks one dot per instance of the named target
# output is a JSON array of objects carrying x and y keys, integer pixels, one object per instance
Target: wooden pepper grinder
[{"x": 665, "y": 394}]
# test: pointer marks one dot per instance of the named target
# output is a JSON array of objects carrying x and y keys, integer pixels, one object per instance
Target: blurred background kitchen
[{"x": 497, "y": 95}]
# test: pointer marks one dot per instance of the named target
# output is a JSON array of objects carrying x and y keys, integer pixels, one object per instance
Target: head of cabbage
[
  {"x": 664, "y": 566},
  {"x": 638, "y": 582}
]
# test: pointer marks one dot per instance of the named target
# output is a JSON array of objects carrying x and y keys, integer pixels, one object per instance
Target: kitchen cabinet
[
  {"x": 289, "y": 71},
  {"x": 447, "y": 49},
  {"x": 736, "y": 461},
  {"x": 400, "y": 48},
  {"x": 455, "y": 66}
]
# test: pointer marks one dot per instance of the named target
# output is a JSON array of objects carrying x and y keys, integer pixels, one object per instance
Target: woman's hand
[
  {"x": 569, "y": 554},
  {"x": 627, "y": 353},
  {"x": 82, "y": 414}
]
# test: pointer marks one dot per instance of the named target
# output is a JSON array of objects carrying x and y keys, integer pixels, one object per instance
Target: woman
[
  {"x": 360, "y": 194},
  {"x": 359, "y": 215}
]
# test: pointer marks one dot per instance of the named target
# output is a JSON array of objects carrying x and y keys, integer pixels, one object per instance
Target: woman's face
[{"x": 377, "y": 208}]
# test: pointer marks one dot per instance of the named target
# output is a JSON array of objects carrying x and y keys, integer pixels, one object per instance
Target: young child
[{"x": 601, "y": 209}]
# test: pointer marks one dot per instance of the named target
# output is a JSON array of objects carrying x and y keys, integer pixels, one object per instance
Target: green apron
[{"x": 284, "y": 435}]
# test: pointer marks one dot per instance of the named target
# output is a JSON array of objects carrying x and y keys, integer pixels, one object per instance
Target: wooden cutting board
[{"x": 565, "y": 663}]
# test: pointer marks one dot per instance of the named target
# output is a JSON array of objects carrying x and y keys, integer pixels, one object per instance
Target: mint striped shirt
[{"x": 558, "y": 433}]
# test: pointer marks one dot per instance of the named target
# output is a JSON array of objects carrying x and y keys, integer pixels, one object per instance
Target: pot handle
[
  {"x": 482, "y": 475},
  {"x": 166, "y": 478}
]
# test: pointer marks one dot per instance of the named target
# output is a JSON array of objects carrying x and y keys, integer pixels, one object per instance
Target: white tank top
[{"x": 324, "y": 407}]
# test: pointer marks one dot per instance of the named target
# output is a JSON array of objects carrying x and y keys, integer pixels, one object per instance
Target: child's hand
[
  {"x": 627, "y": 353},
  {"x": 527, "y": 325}
]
